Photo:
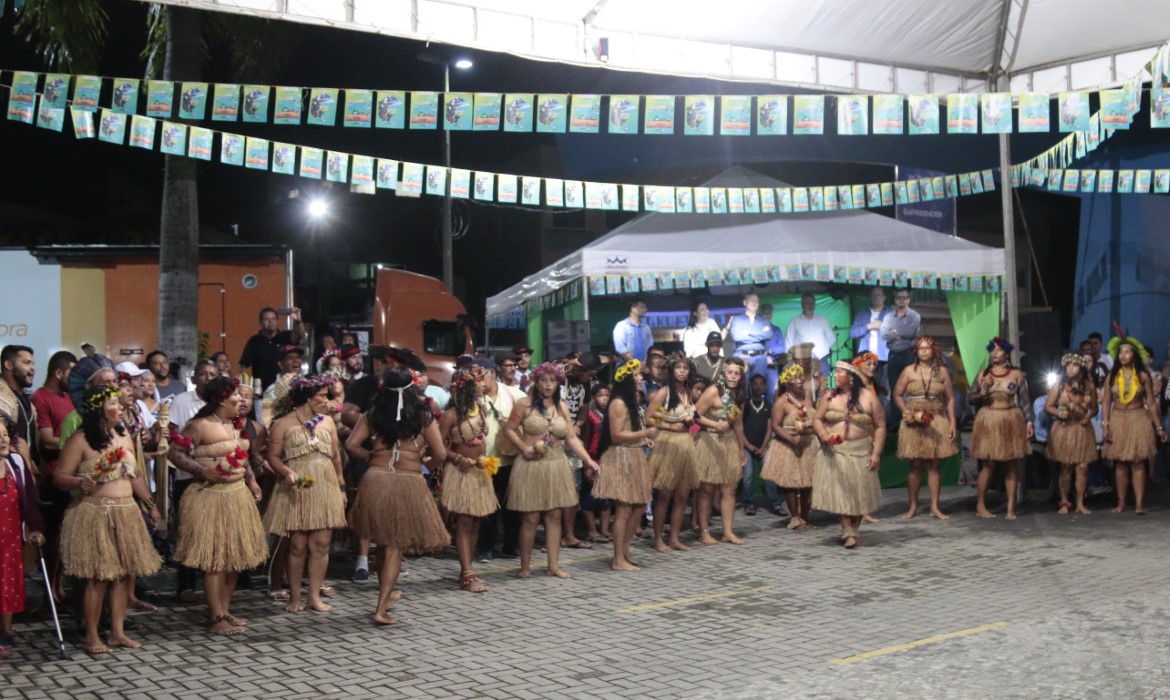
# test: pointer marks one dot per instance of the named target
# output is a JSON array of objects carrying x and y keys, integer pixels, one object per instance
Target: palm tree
[{"x": 70, "y": 35}]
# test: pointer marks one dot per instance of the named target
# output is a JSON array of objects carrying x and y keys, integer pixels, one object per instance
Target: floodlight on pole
[
  {"x": 318, "y": 208},
  {"x": 462, "y": 63}
]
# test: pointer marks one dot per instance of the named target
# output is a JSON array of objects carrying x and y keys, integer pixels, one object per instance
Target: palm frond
[
  {"x": 259, "y": 48},
  {"x": 68, "y": 35},
  {"x": 154, "y": 52}
]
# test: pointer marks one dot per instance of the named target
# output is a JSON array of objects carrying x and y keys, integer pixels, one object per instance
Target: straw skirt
[
  {"x": 318, "y": 507},
  {"x": 542, "y": 484},
  {"x": 220, "y": 528},
  {"x": 791, "y": 467},
  {"x": 717, "y": 458},
  {"x": 1133, "y": 436},
  {"x": 395, "y": 509},
  {"x": 931, "y": 441},
  {"x": 624, "y": 477},
  {"x": 106, "y": 539},
  {"x": 842, "y": 481},
  {"x": 468, "y": 492},
  {"x": 1069, "y": 442},
  {"x": 672, "y": 461},
  {"x": 1000, "y": 435}
]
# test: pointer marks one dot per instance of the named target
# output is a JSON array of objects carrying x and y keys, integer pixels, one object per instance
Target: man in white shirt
[
  {"x": 499, "y": 399},
  {"x": 810, "y": 327}
]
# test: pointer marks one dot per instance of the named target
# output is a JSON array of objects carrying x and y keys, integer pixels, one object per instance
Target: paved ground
[{"x": 1048, "y": 606}]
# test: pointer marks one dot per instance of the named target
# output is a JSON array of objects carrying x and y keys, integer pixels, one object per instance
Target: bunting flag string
[{"x": 559, "y": 113}]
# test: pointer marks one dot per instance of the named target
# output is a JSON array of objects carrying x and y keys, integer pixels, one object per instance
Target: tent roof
[
  {"x": 679, "y": 242},
  {"x": 907, "y": 46}
]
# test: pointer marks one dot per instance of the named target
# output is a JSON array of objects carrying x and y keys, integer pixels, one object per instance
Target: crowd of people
[{"x": 263, "y": 462}]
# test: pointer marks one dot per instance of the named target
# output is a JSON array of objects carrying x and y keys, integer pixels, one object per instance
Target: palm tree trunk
[{"x": 178, "y": 285}]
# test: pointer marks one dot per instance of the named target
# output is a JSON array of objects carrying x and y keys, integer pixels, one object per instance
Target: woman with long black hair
[
  {"x": 467, "y": 477},
  {"x": 672, "y": 461},
  {"x": 219, "y": 526},
  {"x": 1003, "y": 425},
  {"x": 700, "y": 326},
  {"x": 1130, "y": 419},
  {"x": 926, "y": 400},
  {"x": 1072, "y": 402},
  {"x": 103, "y": 537},
  {"x": 542, "y": 483},
  {"x": 719, "y": 458},
  {"x": 394, "y": 507},
  {"x": 624, "y": 477}
]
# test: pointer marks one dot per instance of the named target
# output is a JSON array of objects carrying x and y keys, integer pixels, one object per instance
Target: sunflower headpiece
[
  {"x": 791, "y": 373},
  {"x": 629, "y": 369},
  {"x": 97, "y": 399}
]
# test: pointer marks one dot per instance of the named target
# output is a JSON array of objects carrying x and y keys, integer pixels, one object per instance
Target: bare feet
[
  {"x": 1119, "y": 509},
  {"x": 471, "y": 583},
  {"x": 95, "y": 647},
  {"x": 939, "y": 515},
  {"x": 221, "y": 625},
  {"x": 394, "y": 596},
  {"x": 910, "y": 514},
  {"x": 662, "y": 548},
  {"x": 795, "y": 523},
  {"x": 730, "y": 538},
  {"x": 867, "y": 518},
  {"x": 1011, "y": 515},
  {"x": 294, "y": 608},
  {"x": 624, "y": 566},
  {"x": 984, "y": 513},
  {"x": 1083, "y": 510},
  {"x": 384, "y": 619},
  {"x": 319, "y": 606},
  {"x": 679, "y": 546},
  {"x": 1140, "y": 510},
  {"x": 1064, "y": 506},
  {"x": 122, "y": 641},
  {"x": 850, "y": 542},
  {"x": 559, "y": 573},
  {"x": 524, "y": 573},
  {"x": 706, "y": 538},
  {"x": 237, "y": 621}
]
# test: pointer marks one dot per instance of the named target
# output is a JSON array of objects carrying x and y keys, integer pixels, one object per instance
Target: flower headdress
[
  {"x": 1001, "y": 343},
  {"x": 465, "y": 375},
  {"x": 864, "y": 358},
  {"x": 630, "y": 369},
  {"x": 97, "y": 400},
  {"x": 223, "y": 394},
  {"x": 549, "y": 368},
  {"x": 1114, "y": 347},
  {"x": 1074, "y": 358},
  {"x": 319, "y": 381},
  {"x": 791, "y": 373}
]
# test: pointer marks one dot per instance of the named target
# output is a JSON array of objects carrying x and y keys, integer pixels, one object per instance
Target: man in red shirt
[{"x": 52, "y": 403}]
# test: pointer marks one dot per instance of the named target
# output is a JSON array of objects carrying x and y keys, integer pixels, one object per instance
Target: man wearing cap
[
  {"x": 710, "y": 366},
  {"x": 288, "y": 363},
  {"x": 632, "y": 336},
  {"x": 751, "y": 333},
  {"x": 523, "y": 371},
  {"x": 500, "y": 399},
  {"x": 351, "y": 355},
  {"x": 811, "y": 327},
  {"x": 261, "y": 352}
]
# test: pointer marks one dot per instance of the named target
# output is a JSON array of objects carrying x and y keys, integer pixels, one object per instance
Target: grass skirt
[
  {"x": 672, "y": 461},
  {"x": 106, "y": 539},
  {"x": 220, "y": 528},
  {"x": 929, "y": 441},
  {"x": 468, "y": 492},
  {"x": 318, "y": 507},
  {"x": 791, "y": 467},
  {"x": 396, "y": 509},
  {"x": 1133, "y": 436},
  {"x": 717, "y": 458},
  {"x": 542, "y": 484},
  {"x": 1069, "y": 442},
  {"x": 842, "y": 483},
  {"x": 1000, "y": 435},
  {"x": 624, "y": 476}
]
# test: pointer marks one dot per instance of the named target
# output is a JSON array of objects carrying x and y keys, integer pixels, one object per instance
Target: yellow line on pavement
[
  {"x": 884, "y": 651},
  {"x": 692, "y": 599}
]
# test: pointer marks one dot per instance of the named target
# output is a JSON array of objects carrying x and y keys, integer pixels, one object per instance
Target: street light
[
  {"x": 318, "y": 208},
  {"x": 461, "y": 63}
]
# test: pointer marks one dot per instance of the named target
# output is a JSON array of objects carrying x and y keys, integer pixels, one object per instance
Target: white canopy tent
[
  {"x": 909, "y": 46},
  {"x": 657, "y": 243}
]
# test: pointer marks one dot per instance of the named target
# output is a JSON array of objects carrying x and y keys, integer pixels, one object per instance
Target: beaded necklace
[
  {"x": 480, "y": 435},
  {"x": 1134, "y": 386}
]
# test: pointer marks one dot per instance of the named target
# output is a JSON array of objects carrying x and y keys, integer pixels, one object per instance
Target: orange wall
[{"x": 131, "y": 297}]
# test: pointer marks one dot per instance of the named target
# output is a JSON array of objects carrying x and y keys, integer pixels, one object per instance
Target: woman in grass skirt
[
  {"x": 924, "y": 396},
  {"x": 719, "y": 458},
  {"x": 1003, "y": 424},
  {"x": 1072, "y": 402},
  {"x": 792, "y": 456},
  {"x": 672, "y": 461},
  {"x": 467, "y": 476},
  {"x": 219, "y": 526},
  {"x": 542, "y": 483},
  {"x": 624, "y": 477},
  {"x": 1130, "y": 419},
  {"x": 851, "y": 427},
  {"x": 103, "y": 537},
  {"x": 308, "y": 502},
  {"x": 394, "y": 508}
]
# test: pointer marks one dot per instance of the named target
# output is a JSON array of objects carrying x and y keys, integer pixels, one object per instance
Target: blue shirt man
[
  {"x": 774, "y": 352},
  {"x": 867, "y": 326},
  {"x": 751, "y": 333},
  {"x": 631, "y": 336}
]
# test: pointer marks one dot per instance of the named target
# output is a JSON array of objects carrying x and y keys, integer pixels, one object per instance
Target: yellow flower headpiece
[
  {"x": 630, "y": 368},
  {"x": 791, "y": 373},
  {"x": 97, "y": 399}
]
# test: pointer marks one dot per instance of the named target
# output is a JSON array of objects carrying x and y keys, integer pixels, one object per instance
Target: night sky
[{"x": 56, "y": 189}]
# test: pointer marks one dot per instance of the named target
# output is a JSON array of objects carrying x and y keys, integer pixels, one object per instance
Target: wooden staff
[{"x": 162, "y": 471}]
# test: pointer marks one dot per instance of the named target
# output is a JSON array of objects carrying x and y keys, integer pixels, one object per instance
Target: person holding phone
[{"x": 260, "y": 352}]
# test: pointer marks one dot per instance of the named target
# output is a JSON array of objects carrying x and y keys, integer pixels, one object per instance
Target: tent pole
[
  {"x": 585, "y": 298},
  {"x": 1009, "y": 289}
]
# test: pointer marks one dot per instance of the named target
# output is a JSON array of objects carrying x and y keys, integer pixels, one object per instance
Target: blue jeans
[{"x": 747, "y": 496}]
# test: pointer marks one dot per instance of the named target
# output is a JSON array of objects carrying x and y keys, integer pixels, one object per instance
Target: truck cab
[{"x": 418, "y": 313}]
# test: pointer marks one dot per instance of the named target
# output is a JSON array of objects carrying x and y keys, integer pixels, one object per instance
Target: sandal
[
  {"x": 279, "y": 596},
  {"x": 14, "y": 639},
  {"x": 471, "y": 583},
  {"x": 579, "y": 544},
  {"x": 327, "y": 591},
  {"x": 143, "y": 606},
  {"x": 750, "y": 510},
  {"x": 599, "y": 539}
]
